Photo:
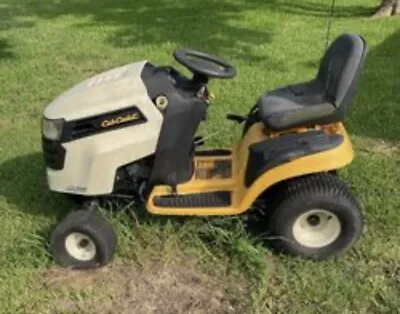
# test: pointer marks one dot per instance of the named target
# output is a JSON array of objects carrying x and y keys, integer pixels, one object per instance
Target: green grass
[{"x": 46, "y": 46}]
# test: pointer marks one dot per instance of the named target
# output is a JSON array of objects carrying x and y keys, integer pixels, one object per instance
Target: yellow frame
[{"x": 242, "y": 196}]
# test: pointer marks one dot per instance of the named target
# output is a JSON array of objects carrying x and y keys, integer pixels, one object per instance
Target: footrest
[{"x": 211, "y": 199}]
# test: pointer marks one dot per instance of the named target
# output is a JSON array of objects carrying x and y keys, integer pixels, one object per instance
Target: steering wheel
[{"x": 204, "y": 64}]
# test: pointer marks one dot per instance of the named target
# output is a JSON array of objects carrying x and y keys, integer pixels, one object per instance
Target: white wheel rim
[
  {"x": 80, "y": 246},
  {"x": 316, "y": 228}
]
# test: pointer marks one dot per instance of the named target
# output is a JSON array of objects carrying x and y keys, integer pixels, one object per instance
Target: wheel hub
[
  {"x": 316, "y": 228},
  {"x": 313, "y": 220},
  {"x": 83, "y": 243},
  {"x": 80, "y": 246}
]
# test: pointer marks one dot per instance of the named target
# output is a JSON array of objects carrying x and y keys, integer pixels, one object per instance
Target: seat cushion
[{"x": 294, "y": 106}]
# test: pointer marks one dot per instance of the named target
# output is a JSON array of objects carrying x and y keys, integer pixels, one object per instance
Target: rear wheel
[{"x": 315, "y": 216}]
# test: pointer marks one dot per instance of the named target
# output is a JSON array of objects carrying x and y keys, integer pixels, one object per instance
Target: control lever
[
  {"x": 236, "y": 118},
  {"x": 198, "y": 141}
]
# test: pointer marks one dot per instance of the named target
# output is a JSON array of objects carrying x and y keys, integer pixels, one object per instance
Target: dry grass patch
[
  {"x": 125, "y": 288},
  {"x": 377, "y": 146}
]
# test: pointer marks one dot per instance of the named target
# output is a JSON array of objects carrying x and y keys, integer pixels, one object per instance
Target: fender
[
  {"x": 273, "y": 152},
  {"x": 331, "y": 159}
]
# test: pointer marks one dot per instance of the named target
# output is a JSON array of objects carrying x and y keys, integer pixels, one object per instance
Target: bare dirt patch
[
  {"x": 125, "y": 288},
  {"x": 382, "y": 147}
]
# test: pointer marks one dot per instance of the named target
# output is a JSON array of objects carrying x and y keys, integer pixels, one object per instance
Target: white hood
[{"x": 109, "y": 91}]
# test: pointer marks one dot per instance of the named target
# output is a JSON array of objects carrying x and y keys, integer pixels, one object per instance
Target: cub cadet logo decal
[{"x": 121, "y": 119}]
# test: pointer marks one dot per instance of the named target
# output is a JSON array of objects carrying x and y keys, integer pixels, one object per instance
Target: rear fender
[
  {"x": 333, "y": 156},
  {"x": 273, "y": 152}
]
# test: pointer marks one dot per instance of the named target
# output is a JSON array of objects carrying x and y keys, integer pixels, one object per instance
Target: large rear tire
[{"x": 315, "y": 216}]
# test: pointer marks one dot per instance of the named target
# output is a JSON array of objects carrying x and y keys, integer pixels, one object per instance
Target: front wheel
[
  {"x": 315, "y": 216},
  {"x": 84, "y": 239}
]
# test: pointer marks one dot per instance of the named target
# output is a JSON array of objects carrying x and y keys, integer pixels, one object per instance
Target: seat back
[{"x": 340, "y": 69}]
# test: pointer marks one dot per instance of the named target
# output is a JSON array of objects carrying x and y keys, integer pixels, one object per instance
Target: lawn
[{"x": 168, "y": 265}]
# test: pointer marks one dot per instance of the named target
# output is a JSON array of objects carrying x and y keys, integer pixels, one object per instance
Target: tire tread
[
  {"x": 294, "y": 193},
  {"x": 93, "y": 224}
]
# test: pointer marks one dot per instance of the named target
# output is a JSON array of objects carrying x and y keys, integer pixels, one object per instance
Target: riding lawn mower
[{"x": 131, "y": 132}]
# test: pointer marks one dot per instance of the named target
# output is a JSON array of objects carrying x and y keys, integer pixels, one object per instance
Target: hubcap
[
  {"x": 316, "y": 228},
  {"x": 80, "y": 246}
]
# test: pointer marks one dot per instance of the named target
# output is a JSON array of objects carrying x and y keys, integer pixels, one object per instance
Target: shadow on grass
[
  {"x": 24, "y": 185},
  {"x": 309, "y": 8},
  {"x": 5, "y": 50},
  {"x": 376, "y": 111},
  {"x": 203, "y": 24},
  {"x": 213, "y": 26}
]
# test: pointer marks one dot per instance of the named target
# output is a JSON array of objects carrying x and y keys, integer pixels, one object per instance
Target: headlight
[{"x": 52, "y": 129}]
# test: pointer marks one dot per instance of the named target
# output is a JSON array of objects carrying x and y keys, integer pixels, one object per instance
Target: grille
[
  {"x": 54, "y": 154},
  {"x": 84, "y": 127}
]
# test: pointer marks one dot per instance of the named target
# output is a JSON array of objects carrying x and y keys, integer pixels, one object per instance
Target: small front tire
[
  {"x": 315, "y": 217},
  {"x": 83, "y": 240}
]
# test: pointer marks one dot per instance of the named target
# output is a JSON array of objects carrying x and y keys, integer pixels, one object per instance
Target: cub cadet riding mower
[{"x": 130, "y": 132}]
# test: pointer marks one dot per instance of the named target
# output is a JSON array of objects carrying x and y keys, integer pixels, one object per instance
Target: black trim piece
[
  {"x": 214, "y": 152},
  {"x": 54, "y": 154},
  {"x": 251, "y": 118},
  {"x": 236, "y": 118},
  {"x": 164, "y": 80},
  {"x": 273, "y": 152},
  {"x": 210, "y": 199},
  {"x": 109, "y": 121},
  {"x": 156, "y": 80},
  {"x": 173, "y": 162}
]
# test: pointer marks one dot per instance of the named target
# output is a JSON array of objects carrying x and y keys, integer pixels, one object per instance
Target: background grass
[{"x": 47, "y": 46}]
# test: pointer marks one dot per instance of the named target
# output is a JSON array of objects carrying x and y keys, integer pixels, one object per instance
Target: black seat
[{"x": 326, "y": 98}]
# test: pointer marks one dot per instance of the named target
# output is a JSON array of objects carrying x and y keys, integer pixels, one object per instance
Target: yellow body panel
[{"x": 242, "y": 196}]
